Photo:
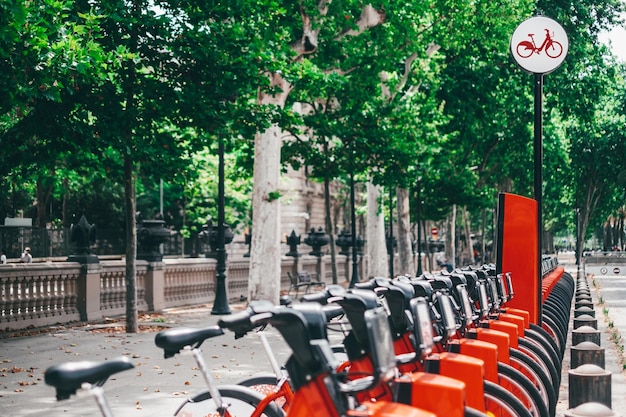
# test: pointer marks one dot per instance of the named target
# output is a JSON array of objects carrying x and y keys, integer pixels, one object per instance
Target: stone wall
[{"x": 48, "y": 293}]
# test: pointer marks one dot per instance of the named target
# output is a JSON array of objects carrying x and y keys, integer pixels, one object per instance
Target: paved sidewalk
[
  {"x": 612, "y": 290},
  {"x": 156, "y": 387}
]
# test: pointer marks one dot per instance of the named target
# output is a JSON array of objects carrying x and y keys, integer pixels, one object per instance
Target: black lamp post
[
  {"x": 577, "y": 250},
  {"x": 248, "y": 240},
  {"x": 392, "y": 244},
  {"x": 293, "y": 240},
  {"x": 391, "y": 241},
  {"x": 209, "y": 236},
  {"x": 151, "y": 235},
  {"x": 419, "y": 228},
  {"x": 344, "y": 241},
  {"x": 355, "y": 254},
  {"x": 220, "y": 306},
  {"x": 317, "y": 239},
  {"x": 83, "y": 235}
]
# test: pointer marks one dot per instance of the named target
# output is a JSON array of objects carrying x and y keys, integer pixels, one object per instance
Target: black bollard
[
  {"x": 584, "y": 311},
  {"x": 586, "y": 353},
  {"x": 585, "y": 334},
  {"x": 583, "y": 303},
  {"x": 589, "y": 383},
  {"x": 585, "y": 320},
  {"x": 590, "y": 409}
]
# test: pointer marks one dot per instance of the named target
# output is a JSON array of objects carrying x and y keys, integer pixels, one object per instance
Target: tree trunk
[
  {"x": 132, "y": 325},
  {"x": 451, "y": 238},
  {"x": 469, "y": 245},
  {"x": 44, "y": 192},
  {"x": 376, "y": 249},
  {"x": 405, "y": 252},
  {"x": 330, "y": 230},
  {"x": 65, "y": 221},
  {"x": 427, "y": 251},
  {"x": 265, "y": 255}
]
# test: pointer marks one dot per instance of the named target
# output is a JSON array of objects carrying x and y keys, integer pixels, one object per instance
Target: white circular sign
[{"x": 539, "y": 45}]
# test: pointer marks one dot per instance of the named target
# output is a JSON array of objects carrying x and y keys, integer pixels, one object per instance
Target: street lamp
[
  {"x": 293, "y": 240},
  {"x": 317, "y": 239},
  {"x": 578, "y": 239},
  {"x": 355, "y": 250},
  {"x": 419, "y": 228},
  {"x": 391, "y": 243},
  {"x": 248, "y": 241},
  {"x": 220, "y": 306}
]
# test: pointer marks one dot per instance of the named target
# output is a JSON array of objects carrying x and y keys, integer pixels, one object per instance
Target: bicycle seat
[
  {"x": 398, "y": 300},
  {"x": 355, "y": 303},
  {"x": 422, "y": 288},
  {"x": 332, "y": 311},
  {"x": 441, "y": 282},
  {"x": 303, "y": 328},
  {"x": 68, "y": 377},
  {"x": 374, "y": 283},
  {"x": 458, "y": 279},
  {"x": 240, "y": 323},
  {"x": 321, "y": 297},
  {"x": 174, "y": 340}
]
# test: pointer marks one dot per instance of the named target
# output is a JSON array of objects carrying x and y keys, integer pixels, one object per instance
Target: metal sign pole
[
  {"x": 538, "y": 156},
  {"x": 539, "y": 45}
]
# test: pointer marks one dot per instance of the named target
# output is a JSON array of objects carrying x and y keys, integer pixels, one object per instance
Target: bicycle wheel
[
  {"x": 554, "y": 312},
  {"x": 546, "y": 336},
  {"x": 554, "y": 50},
  {"x": 240, "y": 402},
  {"x": 525, "y": 49},
  {"x": 539, "y": 340},
  {"x": 262, "y": 383},
  {"x": 502, "y": 403},
  {"x": 555, "y": 332},
  {"x": 522, "y": 388},
  {"x": 267, "y": 385},
  {"x": 539, "y": 377},
  {"x": 537, "y": 353}
]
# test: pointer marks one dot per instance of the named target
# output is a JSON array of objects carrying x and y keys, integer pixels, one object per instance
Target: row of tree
[{"x": 419, "y": 96}]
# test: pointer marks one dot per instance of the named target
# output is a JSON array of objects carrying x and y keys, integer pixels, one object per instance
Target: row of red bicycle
[{"x": 442, "y": 344}]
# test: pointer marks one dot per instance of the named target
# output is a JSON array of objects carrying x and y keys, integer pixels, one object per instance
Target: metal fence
[{"x": 55, "y": 242}]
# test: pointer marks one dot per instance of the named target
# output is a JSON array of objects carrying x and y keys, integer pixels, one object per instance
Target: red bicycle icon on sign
[{"x": 552, "y": 48}]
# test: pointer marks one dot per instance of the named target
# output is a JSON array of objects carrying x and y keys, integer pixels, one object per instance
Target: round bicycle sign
[{"x": 539, "y": 45}]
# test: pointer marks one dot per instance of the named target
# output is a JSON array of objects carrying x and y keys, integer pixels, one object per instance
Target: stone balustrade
[{"x": 48, "y": 293}]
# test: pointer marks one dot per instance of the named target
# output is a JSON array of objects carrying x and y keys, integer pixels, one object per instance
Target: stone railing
[
  {"x": 47, "y": 293},
  {"x": 38, "y": 294}
]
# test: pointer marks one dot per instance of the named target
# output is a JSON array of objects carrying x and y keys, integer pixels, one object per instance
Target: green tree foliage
[
  {"x": 597, "y": 153},
  {"x": 487, "y": 100},
  {"x": 49, "y": 55},
  {"x": 583, "y": 101},
  {"x": 201, "y": 193},
  {"x": 88, "y": 88}
]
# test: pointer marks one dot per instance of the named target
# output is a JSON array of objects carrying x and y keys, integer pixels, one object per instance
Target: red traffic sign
[{"x": 539, "y": 45}]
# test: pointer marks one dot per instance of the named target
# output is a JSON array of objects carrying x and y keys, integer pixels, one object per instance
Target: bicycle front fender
[
  {"x": 241, "y": 402},
  {"x": 526, "y": 45}
]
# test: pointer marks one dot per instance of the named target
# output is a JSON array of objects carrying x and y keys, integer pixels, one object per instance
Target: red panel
[
  {"x": 549, "y": 281},
  {"x": 518, "y": 250}
]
